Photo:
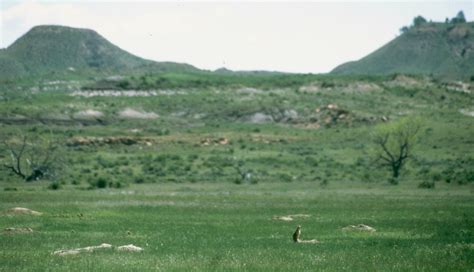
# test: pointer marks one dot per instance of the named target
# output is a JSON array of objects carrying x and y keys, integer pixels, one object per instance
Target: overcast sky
[{"x": 285, "y": 36}]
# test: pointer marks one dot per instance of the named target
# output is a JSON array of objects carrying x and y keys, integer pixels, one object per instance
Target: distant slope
[
  {"x": 50, "y": 48},
  {"x": 441, "y": 49}
]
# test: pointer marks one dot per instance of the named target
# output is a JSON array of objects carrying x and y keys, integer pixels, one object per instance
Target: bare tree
[
  {"x": 31, "y": 159},
  {"x": 395, "y": 143}
]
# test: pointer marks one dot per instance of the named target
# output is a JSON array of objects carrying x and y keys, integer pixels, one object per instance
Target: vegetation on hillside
[
  {"x": 429, "y": 48},
  {"x": 50, "y": 50}
]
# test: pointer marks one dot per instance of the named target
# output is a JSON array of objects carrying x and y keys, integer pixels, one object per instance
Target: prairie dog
[{"x": 297, "y": 234}]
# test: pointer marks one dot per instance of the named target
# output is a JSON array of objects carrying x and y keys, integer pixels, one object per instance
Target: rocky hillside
[{"x": 440, "y": 49}]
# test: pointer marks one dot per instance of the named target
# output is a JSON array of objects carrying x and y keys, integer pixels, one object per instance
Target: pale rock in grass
[{"x": 260, "y": 118}]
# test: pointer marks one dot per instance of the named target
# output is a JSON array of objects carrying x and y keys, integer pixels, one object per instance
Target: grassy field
[
  {"x": 203, "y": 227},
  {"x": 194, "y": 168}
]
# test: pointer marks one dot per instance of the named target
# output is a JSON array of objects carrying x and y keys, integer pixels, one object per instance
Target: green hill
[
  {"x": 48, "y": 48},
  {"x": 440, "y": 49}
]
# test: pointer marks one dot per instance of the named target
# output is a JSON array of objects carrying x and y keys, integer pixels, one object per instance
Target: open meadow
[{"x": 229, "y": 227}]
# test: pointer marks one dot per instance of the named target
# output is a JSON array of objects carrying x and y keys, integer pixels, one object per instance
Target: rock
[
  {"x": 359, "y": 227},
  {"x": 290, "y": 114},
  {"x": 260, "y": 118},
  {"x": 130, "y": 247}
]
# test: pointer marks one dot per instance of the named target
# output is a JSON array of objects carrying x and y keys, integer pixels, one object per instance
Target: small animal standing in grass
[{"x": 297, "y": 234}]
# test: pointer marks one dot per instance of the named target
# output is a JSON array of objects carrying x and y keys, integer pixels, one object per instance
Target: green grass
[
  {"x": 190, "y": 213},
  {"x": 203, "y": 227}
]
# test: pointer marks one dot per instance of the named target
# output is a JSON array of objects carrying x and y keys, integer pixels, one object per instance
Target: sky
[{"x": 304, "y": 37}]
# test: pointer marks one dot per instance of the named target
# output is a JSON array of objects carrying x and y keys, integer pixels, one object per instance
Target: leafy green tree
[
  {"x": 419, "y": 20},
  {"x": 404, "y": 29},
  {"x": 394, "y": 144},
  {"x": 460, "y": 18}
]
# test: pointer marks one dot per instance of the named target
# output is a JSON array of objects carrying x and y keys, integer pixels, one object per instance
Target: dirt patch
[
  {"x": 359, "y": 227},
  {"x": 360, "y": 87},
  {"x": 127, "y": 93},
  {"x": 22, "y": 211},
  {"x": 130, "y": 248},
  {"x": 458, "y": 86},
  {"x": 467, "y": 112},
  {"x": 130, "y": 113},
  {"x": 76, "y": 251},
  {"x": 17, "y": 230},
  {"x": 290, "y": 217},
  {"x": 89, "y": 113},
  {"x": 353, "y": 87},
  {"x": 407, "y": 81},
  {"x": 215, "y": 141},
  {"x": 250, "y": 91},
  {"x": 311, "y": 88},
  {"x": 113, "y": 140},
  {"x": 329, "y": 115},
  {"x": 313, "y": 241}
]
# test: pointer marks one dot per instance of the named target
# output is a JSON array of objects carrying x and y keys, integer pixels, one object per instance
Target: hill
[
  {"x": 48, "y": 48},
  {"x": 440, "y": 49}
]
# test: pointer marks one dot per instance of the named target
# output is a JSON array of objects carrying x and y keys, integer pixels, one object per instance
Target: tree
[
  {"x": 404, "y": 29},
  {"x": 31, "y": 159},
  {"x": 418, "y": 21},
  {"x": 459, "y": 18},
  {"x": 394, "y": 143}
]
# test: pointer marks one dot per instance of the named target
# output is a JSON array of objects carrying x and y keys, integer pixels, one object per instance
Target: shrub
[
  {"x": 101, "y": 183},
  {"x": 54, "y": 186},
  {"x": 426, "y": 184},
  {"x": 324, "y": 183},
  {"x": 139, "y": 180},
  {"x": 459, "y": 171},
  {"x": 393, "y": 181}
]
